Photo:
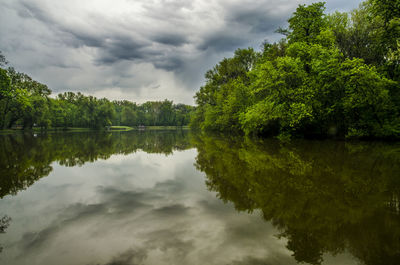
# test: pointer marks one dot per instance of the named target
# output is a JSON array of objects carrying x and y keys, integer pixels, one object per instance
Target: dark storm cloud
[
  {"x": 170, "y": 63},
  {"x": 130, "y": 46},
  {"x": 123, "y": 48},
  {"x": 137, "y": 44},
  {"x": 78, "y": 38},
  {"x": 170, "y": 39},
  {"x": 255, "y": 19},
  {"x": 113, "y": 46},
  {"x": 222, "y": 42},
  {"x": 257, "y": 16}
]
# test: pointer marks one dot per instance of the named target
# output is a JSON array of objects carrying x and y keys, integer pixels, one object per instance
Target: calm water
[{"x": 177, "y": 198}]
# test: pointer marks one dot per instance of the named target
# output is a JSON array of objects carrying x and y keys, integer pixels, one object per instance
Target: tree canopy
[{"x": 332, "y": 75}]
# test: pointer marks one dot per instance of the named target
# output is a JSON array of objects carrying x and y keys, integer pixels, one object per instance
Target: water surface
[{"x": 179, "y": 198}]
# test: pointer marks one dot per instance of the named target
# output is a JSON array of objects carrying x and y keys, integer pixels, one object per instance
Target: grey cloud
[
  {"x": 172, "y": 64},
  {"x": 122, "y": 203},
  {"x": 180, "y": 39},
  {"x": 215, "y": 207},
  {"x": 32, "y": 10},
  {"x": 144, "y": 225},
  {"x": 123, "y": 48},
  {"x": 170, "y": 39},
  {"x": 171, "y": 240},
  {"x": 73, "y": 36},
  {"x": 277, "y": 259},
  {"x": 129, "y": 257},
  {"x": 136, "y": 44},
  {"x": 170, "y": 186},
  {"x": 115, "y": 205},
  {"x": 77, "y": 38},
  {"x": 32, "y": 241},
  {"x": 113, "y": 45},
  {"x": 223, "y": 41},
  {"x": 172, "y": 10},
  {"x": 258, "y": 20},
  {"x": 171, "y": 210}
]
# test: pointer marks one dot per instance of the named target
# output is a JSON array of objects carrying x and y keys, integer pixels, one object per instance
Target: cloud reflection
[{"x": 175, "y": 221}]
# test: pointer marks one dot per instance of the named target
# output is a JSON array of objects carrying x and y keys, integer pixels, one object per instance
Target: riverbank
[
  {"x": 149, "y": 128},
  {"x": 111, "y": 128}
]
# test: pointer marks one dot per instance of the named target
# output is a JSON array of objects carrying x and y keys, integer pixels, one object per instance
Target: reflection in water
[
  {"x": 323, "y": 196},
  {"x": 4, "y": 223},
  {"x": 140, "y": 202},
  {"x": 131, "y": 208},
  {"x": 24, "y": 158}
]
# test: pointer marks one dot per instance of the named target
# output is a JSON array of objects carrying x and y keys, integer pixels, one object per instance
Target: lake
[{"x": 175, "y": 197}]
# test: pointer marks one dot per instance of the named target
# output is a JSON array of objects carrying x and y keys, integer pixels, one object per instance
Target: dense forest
[
  {"x": 26, "y": 103},
  {"x": 331, "y": 75}
]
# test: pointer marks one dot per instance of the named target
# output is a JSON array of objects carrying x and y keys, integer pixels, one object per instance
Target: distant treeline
[
  {"x": 25, "y": 103},
  {"x": 333, "y": 74}
]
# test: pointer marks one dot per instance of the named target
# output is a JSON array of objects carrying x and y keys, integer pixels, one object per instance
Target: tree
[
  {"x": 129, "y": 116},
  {"x": 3, "y": 61},
  {"x": 306, "y": 23},
  {"x": 218, "y": 101}
]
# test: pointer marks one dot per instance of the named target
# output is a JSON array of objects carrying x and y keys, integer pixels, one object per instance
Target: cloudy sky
[{"x": 137, "y": 50}]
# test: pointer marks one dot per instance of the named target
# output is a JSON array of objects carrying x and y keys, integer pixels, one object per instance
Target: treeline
[
  {"x": 26, "y": 103},
  {"x": 77, "y": 110},
  {"x": 332, "y": 75}
]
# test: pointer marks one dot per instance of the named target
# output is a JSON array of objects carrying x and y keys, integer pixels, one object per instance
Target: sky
[{"x": 136, "y": 50}]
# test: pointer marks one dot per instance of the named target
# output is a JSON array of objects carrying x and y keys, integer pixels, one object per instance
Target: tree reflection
[
  {"x": 25, "y": 158},
  {"x": 324, "y": 196},
  {"x": 4, "y": 223}
]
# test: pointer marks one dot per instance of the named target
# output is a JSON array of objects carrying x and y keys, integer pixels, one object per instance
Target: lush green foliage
[
  {"x": 334, "y": 75},
  {"x": 25, "y": 103}
]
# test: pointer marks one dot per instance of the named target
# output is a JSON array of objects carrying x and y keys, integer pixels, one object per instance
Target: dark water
[{"x": 178, "y": 198}]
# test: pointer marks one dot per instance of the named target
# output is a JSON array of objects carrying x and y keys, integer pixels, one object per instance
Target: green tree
[
  {"x": 306, "y": 23},
  {"x": 221, "y": 99}
]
